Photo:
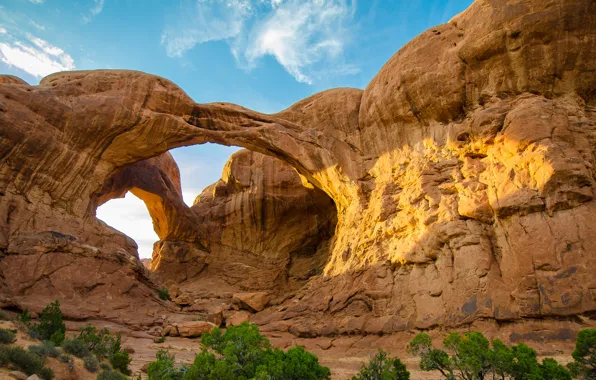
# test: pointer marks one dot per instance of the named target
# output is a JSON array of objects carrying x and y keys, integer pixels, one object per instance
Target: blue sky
[{"x": 261, "y": 54}]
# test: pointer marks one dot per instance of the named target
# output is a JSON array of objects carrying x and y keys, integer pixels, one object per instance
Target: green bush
[
  {"x": 111, "y": 375},
  {"x": 100, "y": 342},
  {"x": 584, "y": 355},
  {"x": 7, "y": 336},
  {"x": 91, "y": 363},
  {"x": 105, "y": 366},
  {"x": 382, "y": 367},
  {"x": 50, "y": 326},
  {"x": 120, "y": 361},
  {"x": 473, "y": 357},
  {"x": 25, "y": 361},
  {"x": 243, "y": 353},
  {"x": 163, "y": 368},
  {"x": 550, "y": 369},
  {"x": 45, "y": 349},
  {"x": 24, "y": 317},
  {"x": 163, "y": 294},
  {"x": 75, "y": 347},
  {"x": 46, "y": 373},
  {"x": 295, "y": 364}
]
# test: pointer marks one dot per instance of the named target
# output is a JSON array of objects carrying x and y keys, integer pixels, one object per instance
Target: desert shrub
[
  {"x": 100, "y": 342},
  {"x": 163, "y": 294},
  {"x": 163, "y": 368},
  {"x": 45, "y": 349},
  {"x": 382, "y": 367},
  {"x": 3, "y": 316},
  {"x": 91, "y": 363},
  {"x": 75, "y": 347},
  {"x": 105, "y": 366},
  {"x": 50, "y": 326},
  {"x": 584, "y": 355},
  {"x": 68, "y": 360},
  {"x": 24, "y": 317},
  {"x": 243, "y": 353},
  {"x": 473, "y": 357},
  {"x": 46, "y": 373},
  {"x": 111, "y": 375},
  {"x": 7, "y": 336},
  {"x": 25, "y": 361},
  {"x": 120, "y": 361}
]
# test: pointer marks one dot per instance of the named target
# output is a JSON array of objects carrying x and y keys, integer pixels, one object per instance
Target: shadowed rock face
[
  {"x": 462, "y": 175},
  {"x": 264, "y": 230}
]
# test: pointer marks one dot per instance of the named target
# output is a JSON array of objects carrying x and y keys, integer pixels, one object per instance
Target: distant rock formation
[{"x": 462, "y": 179}]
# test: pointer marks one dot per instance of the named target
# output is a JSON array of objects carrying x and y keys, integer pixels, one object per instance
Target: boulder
[
  {"x": 18, "y": 375},
  {"x": 238, "y": 318},
  {"x": 251, "y": 301},
  {"x": 170, "y": 330},
  {"x": 194, "y": 329}
]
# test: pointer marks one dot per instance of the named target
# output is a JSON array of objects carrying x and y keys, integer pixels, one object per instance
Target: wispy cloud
[
  {"x": 97, "y": 8},
  {"x": 35, "y": 56},
  {"x": 302, "y": 35},
  {"x": 40, "y": 27},
  {"x": 36, "y": 1},
  {"x": 3, "y": 31},
  {"x": 205, "y": 20}
]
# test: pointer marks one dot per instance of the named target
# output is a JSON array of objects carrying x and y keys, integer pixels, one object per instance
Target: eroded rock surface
[{"x": 462, "y": 177}]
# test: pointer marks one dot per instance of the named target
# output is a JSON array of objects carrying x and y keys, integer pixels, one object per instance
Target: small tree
[
  {"x": 100, "y": 342},
  {"x": 50, "y": 326},
  {"x": 163, "y": 368},
  {"x": 473, "y": 358},
  {"x": 382, "y": 367},
  {"x": 243, "y": 353},
  {"x": 431, "y": 359},
  {"x": 120, "y": 361},
  {"x": 584, "y": 355},
  {"x": 295, "y": 364},
  {"x": 550, "y": 369}
]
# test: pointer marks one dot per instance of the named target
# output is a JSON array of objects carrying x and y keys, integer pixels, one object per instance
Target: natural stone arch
[{"x": 468, "y": 132}]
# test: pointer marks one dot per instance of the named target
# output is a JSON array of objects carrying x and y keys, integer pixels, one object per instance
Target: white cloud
[
  {"x": 94, "y": 11},
  {"x": 36, "y": 57},
  {"x": 40, "y": 27},
  {"x": 3, "y": 31},
  {"x": 302, "y": 35},
  {"x": 36, "y": 1},
  {"x": 203, "y": 21},
  {"x": 130, "y": 216}
]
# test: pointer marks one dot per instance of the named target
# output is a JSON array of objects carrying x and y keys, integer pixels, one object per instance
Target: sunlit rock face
[{"x": 462, "y": 176}]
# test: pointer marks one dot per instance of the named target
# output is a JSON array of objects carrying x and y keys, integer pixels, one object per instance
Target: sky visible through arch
[{"x": 261, "y": 54}]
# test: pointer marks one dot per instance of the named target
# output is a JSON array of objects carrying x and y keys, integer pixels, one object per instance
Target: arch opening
[
  {"x": 258, "y": 215},
  {"x": 130, "y": 216}
]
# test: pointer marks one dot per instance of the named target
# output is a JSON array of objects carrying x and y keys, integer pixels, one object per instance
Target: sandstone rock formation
[
  {"x": 462, "y": 176},
  {"x": 258, "y": 219}
]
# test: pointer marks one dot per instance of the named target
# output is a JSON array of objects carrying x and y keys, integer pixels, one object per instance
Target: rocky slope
[{"x": 462, "y": 179}]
